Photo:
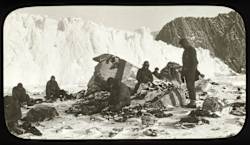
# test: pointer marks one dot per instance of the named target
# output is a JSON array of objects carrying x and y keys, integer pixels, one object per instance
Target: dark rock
[
  {"x": 223, "y": 35},
  {"x": 30, "y": 129},
  {"x": 40, "y": 113},
  {"x": 238, "y": 109},
  {"x": 150, "y": 132}
]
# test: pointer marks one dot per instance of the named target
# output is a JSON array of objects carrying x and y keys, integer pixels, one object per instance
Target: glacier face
[{"x": 36, "y": 47}]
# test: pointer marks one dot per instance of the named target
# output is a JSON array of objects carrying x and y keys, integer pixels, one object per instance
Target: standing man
[
  {"x": 143, "y": 75},
  {"x": 190, "y": 62},
  {"x": 52, "y": 89}
]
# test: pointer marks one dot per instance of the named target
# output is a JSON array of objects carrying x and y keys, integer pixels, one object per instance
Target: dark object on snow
[
  {"x": 150, "y": 132},
  {"x": 202, "y": 113},
  {"x": 40, "y": 113},
  {"x": 119, "y": 94},
  {"x": 172, "y": 72},
  {"x": 28, "y": 128},
  {"x": 212, "y": 104},
  {"x": 238, "y": 97},
  {"x": 194, "y": 119},
  {"x": 238, "y": 109},
  {"x": 91, "y": 104},
  {"x": 214, "y": 83}
]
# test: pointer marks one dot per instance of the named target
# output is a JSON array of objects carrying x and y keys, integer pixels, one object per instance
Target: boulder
[{"x": 40, "y": 112}]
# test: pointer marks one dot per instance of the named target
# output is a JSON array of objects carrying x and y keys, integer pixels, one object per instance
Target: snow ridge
[{"x": 35, "y": 47}]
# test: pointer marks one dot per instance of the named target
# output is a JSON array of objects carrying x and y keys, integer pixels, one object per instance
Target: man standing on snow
[
  {"x": 189, "y": 68},
  {"x": 52, "y": 89},
  {"x": 143, "y": 75}
]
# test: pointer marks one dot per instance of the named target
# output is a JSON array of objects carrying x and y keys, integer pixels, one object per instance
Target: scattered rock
[
  {"x": 238, "y": 109},
  {"x": 212, "y": 104},
  {"x": 214, "y": 83},
  {"x": 150, "y": 132},
  {"x": 148, "y": 119},
  {"x": 28, "y": 128},
  {"x": 40, "y": 113}
]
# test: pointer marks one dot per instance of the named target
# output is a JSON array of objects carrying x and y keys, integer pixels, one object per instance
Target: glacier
[{"x": 36, "y": 47}]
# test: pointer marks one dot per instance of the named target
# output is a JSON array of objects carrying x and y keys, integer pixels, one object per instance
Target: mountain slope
[{"x": 223, "y": 35}]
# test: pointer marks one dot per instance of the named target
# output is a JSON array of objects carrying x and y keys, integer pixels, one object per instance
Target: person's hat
[{"x": 19, "y": 84}]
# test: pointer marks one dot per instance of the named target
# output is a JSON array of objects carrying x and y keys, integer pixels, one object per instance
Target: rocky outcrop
[{"x": 223, "y": 35}]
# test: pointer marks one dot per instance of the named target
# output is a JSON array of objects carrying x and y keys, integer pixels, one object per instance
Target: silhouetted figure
[
  {"x": 156, "y": 73},
  {"x": 12, "y": 107},
  {"x": 189, "y": 68},
  {"x": 20, "y": 93},
  {"x": 119, "y": 94},
  {"x": 143, "y": 75},
  {"x": 52, "y": 89}
]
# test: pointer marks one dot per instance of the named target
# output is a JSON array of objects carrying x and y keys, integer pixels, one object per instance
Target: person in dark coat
[
  {"x": 52, "y": 89},
  {"x": 156, "y": 73},
  {"x": 12, "y": 107},
  {"x": 143, "y": 75},
  {"x": 19, "y": 92},
  {"x": 119, "y": 94},
  {"x": 189, "y": 68}
]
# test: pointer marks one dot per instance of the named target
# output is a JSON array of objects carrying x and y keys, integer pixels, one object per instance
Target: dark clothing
[
  {"x": 119, "y": 96},
  {"x": 12, "y": 109},
  {"x": 189, "y": 59},
  {"x": 157, "y": 74},
  {"x": 189, "y": 70},
  {"x": 20, "y": 94},
  {"x": 52, "y": 89},
  {"x": 143, "y": 76}
]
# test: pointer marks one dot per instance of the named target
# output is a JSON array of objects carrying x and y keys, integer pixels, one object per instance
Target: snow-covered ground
[{"x": 67, "y": 126}]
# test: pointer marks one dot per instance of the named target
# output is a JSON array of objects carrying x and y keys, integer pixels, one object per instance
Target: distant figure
[
  {"x": 143, "y": 75},
  {"x": 156, "y": 73},
  {"x": 52, "y": 89},
  {"x": 20, "y": 93},
  {"x": 119, "y": 94},
  {"x": 189, "y": 68}
]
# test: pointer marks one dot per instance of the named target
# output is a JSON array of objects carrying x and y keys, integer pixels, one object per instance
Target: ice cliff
[{"x": 35, "y": 47}]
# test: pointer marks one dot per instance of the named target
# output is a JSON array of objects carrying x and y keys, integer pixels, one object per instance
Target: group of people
[
  {"x": 120, "y": 93},
  {"x": 20, "y": 98}
]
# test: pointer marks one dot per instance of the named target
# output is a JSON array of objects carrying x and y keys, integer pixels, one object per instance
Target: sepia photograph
[{"x": 124, "y": 72}]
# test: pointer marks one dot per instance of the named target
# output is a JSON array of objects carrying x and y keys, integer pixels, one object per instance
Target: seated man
[
  {"x": 119, "y": 94},
  {"x": 20, "y": 93},
  {"x": 156, "y": 73},
  {"x": 12, "y": 113},
  {"x": 52, "y": 89},
  {"x": 143, "y": 75}
]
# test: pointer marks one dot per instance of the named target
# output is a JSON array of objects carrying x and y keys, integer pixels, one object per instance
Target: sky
[{"x": 127, "y": 17}]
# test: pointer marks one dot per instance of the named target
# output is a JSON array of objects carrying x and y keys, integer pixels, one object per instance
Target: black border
[{"x": 7, "y": 6}]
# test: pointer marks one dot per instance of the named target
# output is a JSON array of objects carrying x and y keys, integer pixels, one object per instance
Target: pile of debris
[
  {"x": 167, "y": 93},
  {"x": 91, "y": 104},
  {"x": 211, "y": 107}
]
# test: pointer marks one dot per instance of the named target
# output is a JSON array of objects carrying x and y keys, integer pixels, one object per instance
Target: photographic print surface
[{"x": 124, "y": 72}]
